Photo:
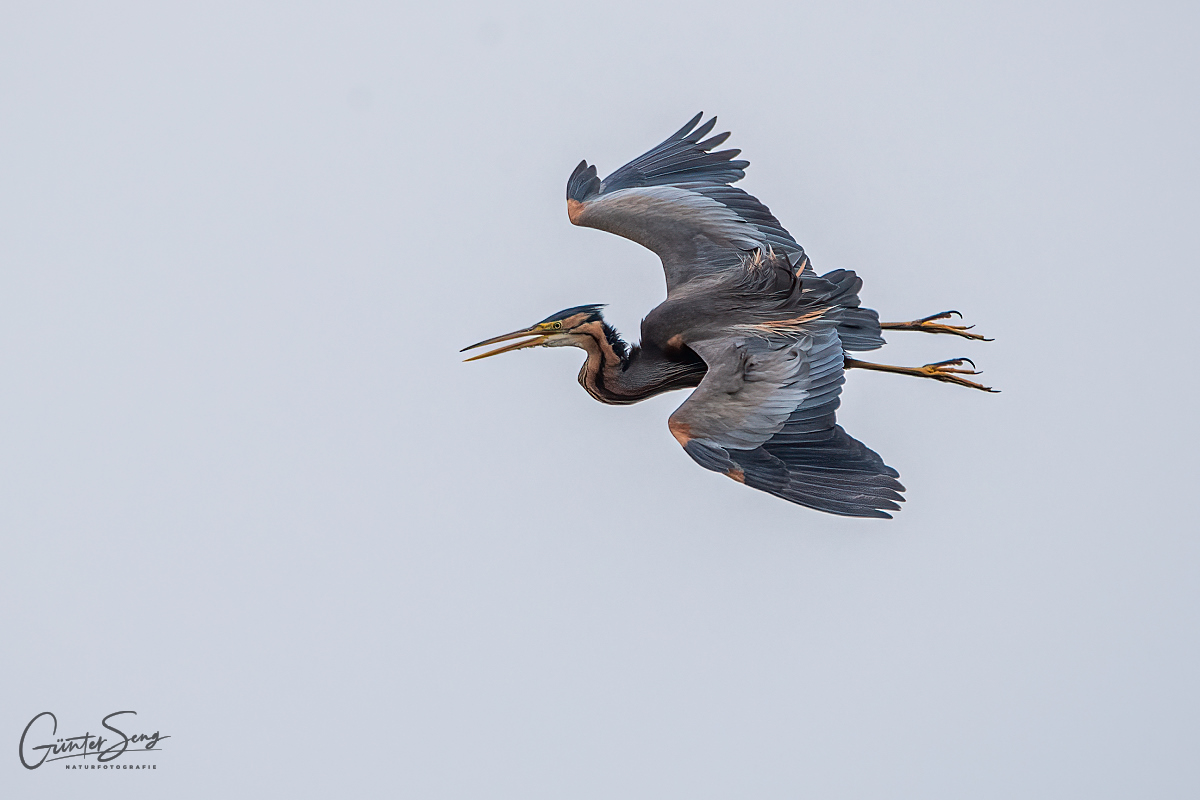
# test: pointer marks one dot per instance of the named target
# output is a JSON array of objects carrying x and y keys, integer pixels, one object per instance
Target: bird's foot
[
  {"x": 930, "y": 324},
  {"x": 947, "y": 372}
]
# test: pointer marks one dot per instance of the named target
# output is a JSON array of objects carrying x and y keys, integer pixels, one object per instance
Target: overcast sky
[{"x": 248, "y": 489}]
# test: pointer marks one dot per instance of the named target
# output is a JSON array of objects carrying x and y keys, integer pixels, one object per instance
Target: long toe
[
  {"x": 971, "y": 384},
  {"x": 957, "y": 330}
]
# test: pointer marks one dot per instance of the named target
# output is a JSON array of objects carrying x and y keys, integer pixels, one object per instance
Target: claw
[
  {"x": 953, "y": 362},
  {"x": 943, "y": 315}
]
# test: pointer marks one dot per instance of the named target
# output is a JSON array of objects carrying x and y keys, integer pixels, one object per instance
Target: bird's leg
[
  {"x": 940, "y": 371},
  {"x": 930, "y": 325}
]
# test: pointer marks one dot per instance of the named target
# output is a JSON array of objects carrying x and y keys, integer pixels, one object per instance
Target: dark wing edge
[
  {"x": 808, "y": 459},
  {"x": 680, "y": 159}
]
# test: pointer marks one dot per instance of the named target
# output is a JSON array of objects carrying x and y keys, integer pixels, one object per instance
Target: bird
[{"x": 747, "y": 324}]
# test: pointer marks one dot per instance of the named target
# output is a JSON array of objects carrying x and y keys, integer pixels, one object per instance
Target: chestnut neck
[{"x": 618, "y": 375}]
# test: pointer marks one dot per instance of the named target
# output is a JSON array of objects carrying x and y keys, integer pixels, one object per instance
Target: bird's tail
[{"x": 857, "y": 327}]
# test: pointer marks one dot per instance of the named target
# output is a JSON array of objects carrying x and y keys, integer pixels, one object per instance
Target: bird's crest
[{"x": 592, "y": 310}]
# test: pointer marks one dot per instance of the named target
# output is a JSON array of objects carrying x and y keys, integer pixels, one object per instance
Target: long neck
[{"x": 617, "y": 375}]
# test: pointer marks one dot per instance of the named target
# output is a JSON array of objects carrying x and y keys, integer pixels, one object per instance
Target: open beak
[{"x": 538, "y": 338}]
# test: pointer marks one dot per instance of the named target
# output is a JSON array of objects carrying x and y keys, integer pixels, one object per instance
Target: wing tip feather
[{"x": 582, "y": 183}]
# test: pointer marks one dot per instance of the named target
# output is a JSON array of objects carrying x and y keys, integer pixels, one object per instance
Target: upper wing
[
  {"x": 677, "y": 200},
  {"x": 764, "y": 416}
]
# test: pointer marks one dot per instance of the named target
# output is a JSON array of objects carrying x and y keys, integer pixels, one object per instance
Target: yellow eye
[{"x": 557, "y": 325}]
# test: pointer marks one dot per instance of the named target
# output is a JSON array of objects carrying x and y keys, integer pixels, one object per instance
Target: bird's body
[
  {"x": 762, "y": 296},
  {"x": 747, "y": 322}
]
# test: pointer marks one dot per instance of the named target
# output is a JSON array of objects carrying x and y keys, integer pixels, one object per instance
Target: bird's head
[{"x": 572, "y": 327}]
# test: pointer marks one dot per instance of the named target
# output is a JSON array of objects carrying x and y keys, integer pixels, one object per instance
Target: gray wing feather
[
  {"x": 754, "y": 385},
  {"x": 677, "y": 200},
  {"x": 765, "y": 415}
]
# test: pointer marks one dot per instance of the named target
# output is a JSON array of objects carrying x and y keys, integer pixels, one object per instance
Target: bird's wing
[
  {"x": 677, "y": 201},
  {"x": 765, "y": 416}
]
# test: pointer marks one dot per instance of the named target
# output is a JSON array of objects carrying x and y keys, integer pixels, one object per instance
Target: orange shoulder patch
[
  {"x": 574, "y": 211},
  {"x": 737, "y": 475},
  {"x": 680, "y": 430}
]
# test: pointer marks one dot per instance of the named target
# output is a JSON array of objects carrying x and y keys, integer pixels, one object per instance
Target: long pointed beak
[{"x": 538, "y": 338}]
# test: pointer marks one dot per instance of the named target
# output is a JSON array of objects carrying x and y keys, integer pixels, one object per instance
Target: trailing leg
[{"x": 944, "y": 371}]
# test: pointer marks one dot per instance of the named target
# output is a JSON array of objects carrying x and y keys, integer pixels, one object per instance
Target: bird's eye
[{"x": 557, "y": 325}]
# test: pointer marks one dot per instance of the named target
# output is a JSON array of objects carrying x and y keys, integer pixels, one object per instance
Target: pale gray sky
[{"x": 248, "y": 490}]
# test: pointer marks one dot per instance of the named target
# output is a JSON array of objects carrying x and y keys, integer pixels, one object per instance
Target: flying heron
[{"x": 747, "y": 323}]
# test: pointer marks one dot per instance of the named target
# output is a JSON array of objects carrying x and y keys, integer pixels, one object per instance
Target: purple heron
[{"x": 747, "y": 323}]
